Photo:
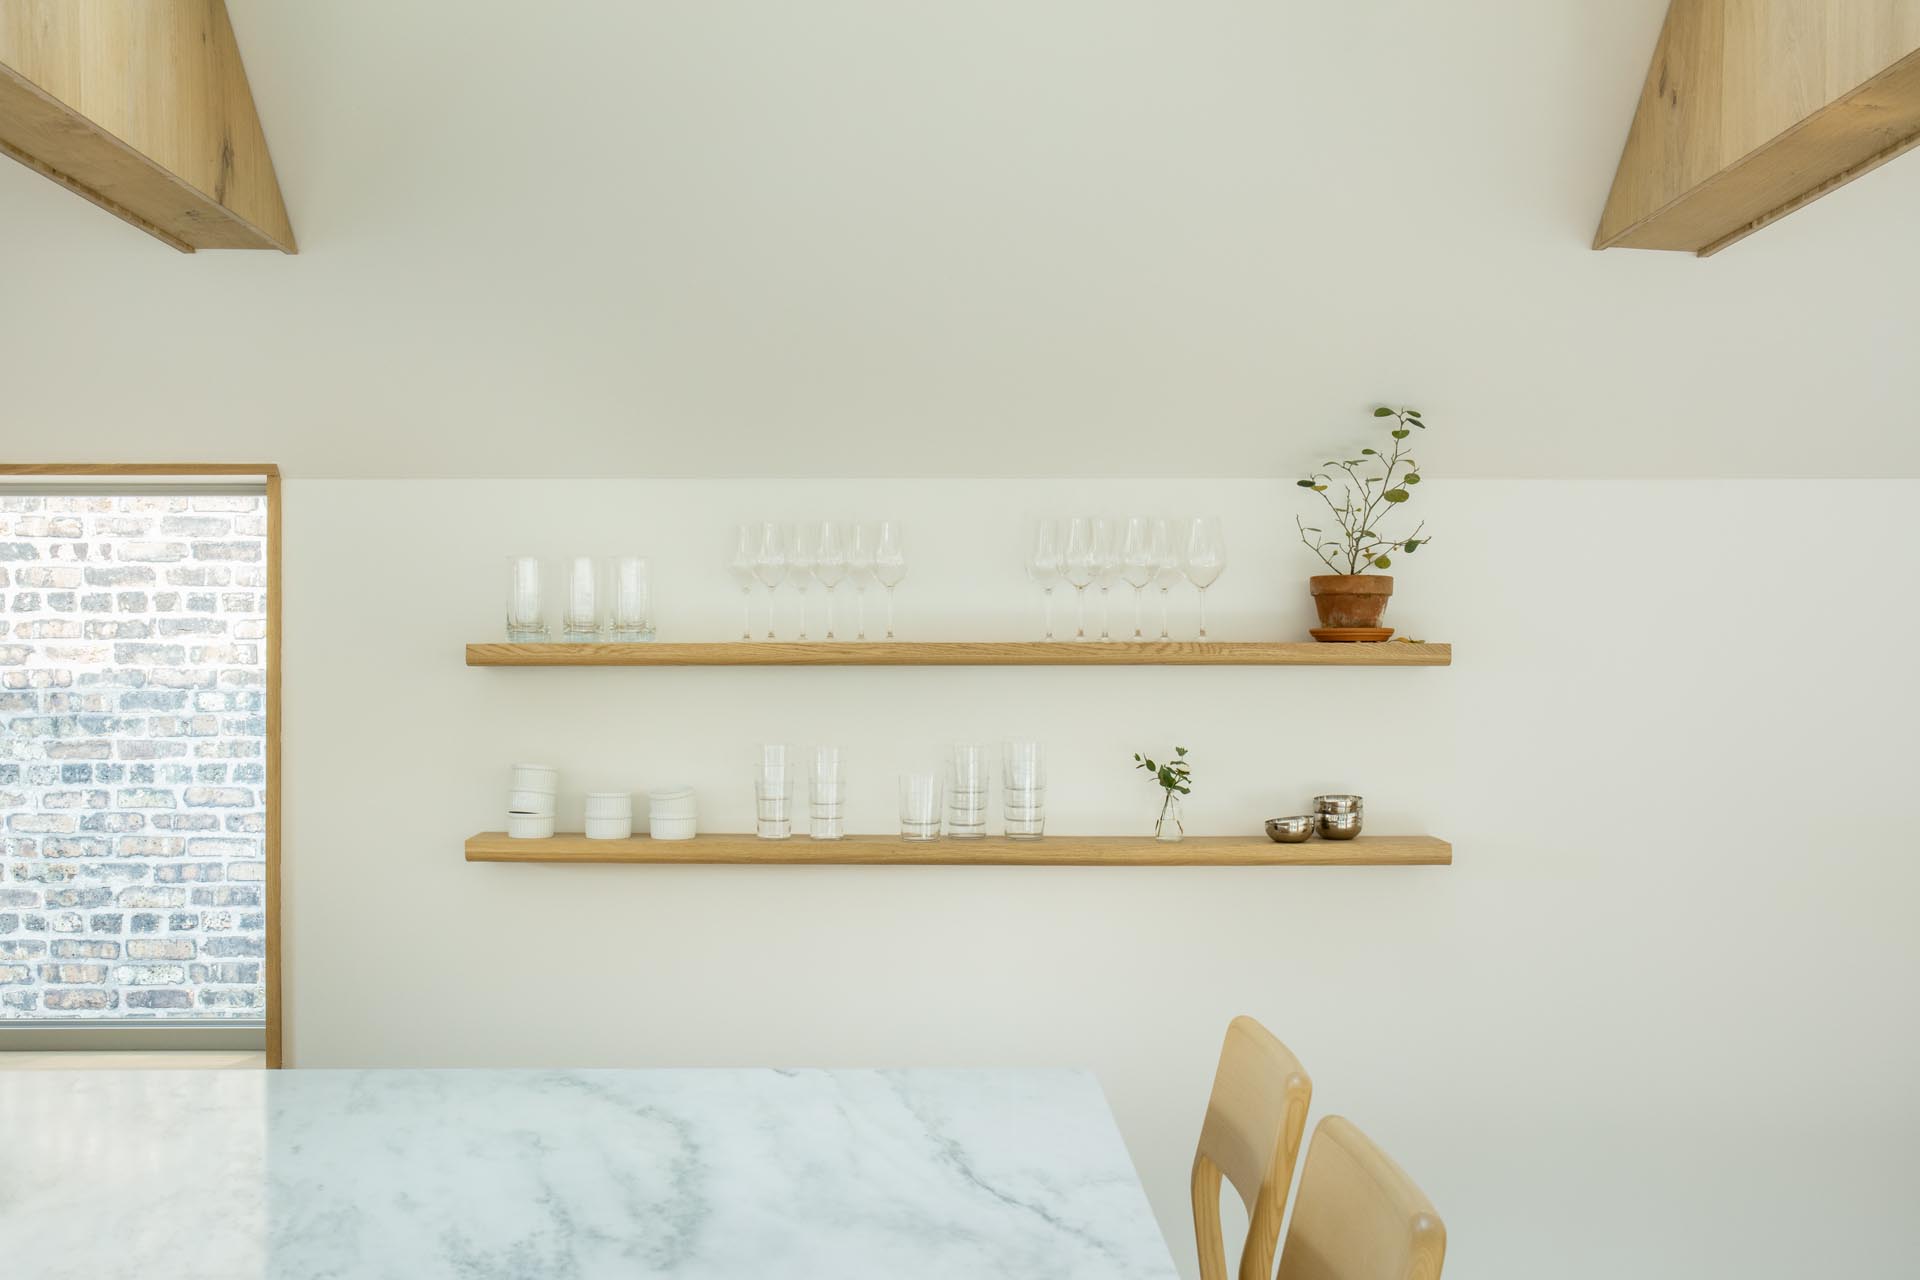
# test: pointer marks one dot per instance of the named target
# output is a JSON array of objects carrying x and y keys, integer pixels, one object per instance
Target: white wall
[{"x": 1654, "y": 1021}]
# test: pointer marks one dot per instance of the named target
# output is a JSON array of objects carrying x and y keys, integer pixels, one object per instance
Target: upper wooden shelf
[
  {"x": 1061, "y": 851},
  {"x": 998, "y": 653}
]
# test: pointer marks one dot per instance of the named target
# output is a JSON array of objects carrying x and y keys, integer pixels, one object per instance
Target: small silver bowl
[
  {"x": 1290, "y": 830},
  {"x": 1338, "y": 804},
  {"x": 1339, "y": 826}
]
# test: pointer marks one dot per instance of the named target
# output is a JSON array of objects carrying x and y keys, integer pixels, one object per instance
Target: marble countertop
[{"x": 569, "y": 1175}]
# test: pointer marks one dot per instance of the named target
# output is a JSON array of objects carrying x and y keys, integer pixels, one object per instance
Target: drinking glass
[
  {"x": 772, "y": 791},
  {"x": 969, "y": 779},
  {"x": 919, "y": 806},
  {"x": 740, "y": 566},
  {"x": 801, "y": 553},
  {"x": 1044, "y": 564},
  {"x": 889, "y": 562},
  {"x": 1165, "y": 558},
  {"x": 1136, "y": 565},
  {"x": 1106, "y": 571},
  {"x": 770, "y": 563},
  {"x": 526, "y": 621},
  {"x": 583, "y": 601},
  {"x": 858, "y": 539},
  {"x": 1077, "y": 567},
  {"x": 630, "y": 607},
  {"x": 828, "y": 795},
  {"x": 1023, "y": 801},
  {"x": 1206, "y": 559},
  {"x": 830, "y": 564}
]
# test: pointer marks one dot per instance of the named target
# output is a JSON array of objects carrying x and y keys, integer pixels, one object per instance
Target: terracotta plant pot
[{"x": 1351, "y": 599}]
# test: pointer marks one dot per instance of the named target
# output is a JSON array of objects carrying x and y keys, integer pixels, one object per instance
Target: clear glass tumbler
[
  {"x": 773, "y": 794},
  {"x": 583, "y": 601},
  {"x": 920, "y": 806},
  {"x": 829, "y": 795},
  {"x": 1023, "y": 799},
  {"x": 630, "y": 606},
  {"x": 969, "y": 779},
  {"x": 526, "y": 619}
]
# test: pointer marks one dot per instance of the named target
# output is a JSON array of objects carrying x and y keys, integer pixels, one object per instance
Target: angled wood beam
[
  {"x": 1755, "y": 108},
  {"x": 143, "y": 108}
]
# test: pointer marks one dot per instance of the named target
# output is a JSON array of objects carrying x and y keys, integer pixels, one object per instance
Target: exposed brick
[{"x": 160, "y": 949}]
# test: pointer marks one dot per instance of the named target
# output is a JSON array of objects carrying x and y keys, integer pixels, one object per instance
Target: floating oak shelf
[
  {"x": 998, "y": 653},
  {"x": 1054, "y": 851}
]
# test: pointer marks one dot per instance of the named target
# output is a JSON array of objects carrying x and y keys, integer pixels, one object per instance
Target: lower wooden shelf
[{"x": 1054, "y": 851}]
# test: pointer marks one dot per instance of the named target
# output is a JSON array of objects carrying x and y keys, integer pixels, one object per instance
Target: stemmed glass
[
  {"x": 889, "y": 563},
  {"x": 830, "y": 565},
  {"x": 1206, "y": 559},
  {"x": 859, "y": 543},
  {"x": 770, "y": 564},
  {"x": 1106, "y": 571},
  {"x": 801, "y": 554},
  {"x": 1165, "y": 558},
  {"x": 1136, "y": 565},
  {"x": 1077, "y": 568},
  {"x": 740, "y": 566},
  {"x": 1044, "y": 564}
]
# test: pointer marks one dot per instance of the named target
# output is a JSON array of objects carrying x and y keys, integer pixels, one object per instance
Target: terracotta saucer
[{"x": 1350, "y": 635}]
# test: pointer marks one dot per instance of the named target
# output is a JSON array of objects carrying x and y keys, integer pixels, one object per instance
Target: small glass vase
[{"x": 1168, "y": 828}]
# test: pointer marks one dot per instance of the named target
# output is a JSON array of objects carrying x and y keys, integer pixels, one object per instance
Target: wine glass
[
  {"x": 802, "y": 552},
  {"x": 859, "y": 543},
  {"x": 1165, "y": 558},
  {"x": 1206, "y": 559},
  {"x": 740, "y": 567},
  {"x": 770, "y": 563},
  {"x": 1044, "y": 564},
  {"x": 1136, "y": 565},
  {"x": 830, "y": 564},
  {"x": 1106, "y": 571},
  {"x": 889, "y": 563},
  {"x": 1077, "y": 568}
]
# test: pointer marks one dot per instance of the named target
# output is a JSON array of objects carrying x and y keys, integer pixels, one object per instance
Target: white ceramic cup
[
  {"x": 536, "y": 777},
  {"x": 672, "y": 828},
  {"x": 609, "y": 804},
  {"x": 530, "y": 802},
  {"x": 530, "y": 826},
  {"x": 609, "y": 828},
  {"x": 671, "y": 802}
]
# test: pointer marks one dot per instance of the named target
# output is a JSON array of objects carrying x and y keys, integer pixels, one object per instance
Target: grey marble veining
[{"x": 568, "y": 1175}]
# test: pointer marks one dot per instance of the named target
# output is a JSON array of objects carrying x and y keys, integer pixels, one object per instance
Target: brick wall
[{"x": 132, "y": 756}]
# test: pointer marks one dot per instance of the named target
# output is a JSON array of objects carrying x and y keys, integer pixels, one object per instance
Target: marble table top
[{"x": 569, "y": 1175}]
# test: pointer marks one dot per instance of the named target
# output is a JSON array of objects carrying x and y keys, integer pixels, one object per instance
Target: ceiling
[{"x": 870, "y": 238}]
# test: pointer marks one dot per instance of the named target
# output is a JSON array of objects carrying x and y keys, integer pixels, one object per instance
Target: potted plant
[
  {"x": 1372, "y": 489},
  {"x": 1175, "y": 780}
]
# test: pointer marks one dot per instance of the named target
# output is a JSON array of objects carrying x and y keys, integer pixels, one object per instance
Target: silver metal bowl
[
  {"x": 1290, "y": 830},
  {"x": 1338, "y": 804},
  {"x": 1339, "y": 826}
]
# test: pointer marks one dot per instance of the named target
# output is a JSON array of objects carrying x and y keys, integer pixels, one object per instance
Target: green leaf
[
  {"x": 1304, "y": 484},
  {"x": 1411, "y": 545},
  {"x": 1381, "y": 562},
  {"x": 1180, "y": 751},
  {"x": 1412, "y": 477},
  {"x": 1401, "y": 433},
  {"x": 1365, "y": 452},
  {"x": 1383, "y": 412},
  {"x": 1396, "y": 495},
  {"x": 1319, "y": 488}
]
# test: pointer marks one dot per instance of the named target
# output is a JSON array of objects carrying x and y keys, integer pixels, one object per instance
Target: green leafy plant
[
  {"x": 1371, "y": 492},
  {"x": 1175, "y": 779}
]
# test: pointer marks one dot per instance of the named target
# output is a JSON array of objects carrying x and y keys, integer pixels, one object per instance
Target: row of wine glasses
[
  {"x": 824, "y": 551},
  {"x": 1141, "y": 551}
]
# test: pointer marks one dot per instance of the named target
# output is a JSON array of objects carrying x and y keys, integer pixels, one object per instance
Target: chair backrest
[
  {"x": 1256, "y": 1119},
  {"x": 1358, "y": 1216}
]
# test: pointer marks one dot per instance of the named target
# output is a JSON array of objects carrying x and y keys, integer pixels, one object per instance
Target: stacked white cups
[
  {"x": 530, "y": 802},
  {"x": 670, "y": 813},
  {"x": 609, "y": 815}
]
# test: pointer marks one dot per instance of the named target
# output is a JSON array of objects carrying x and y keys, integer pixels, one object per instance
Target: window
[{"x": 133, "y": 755}]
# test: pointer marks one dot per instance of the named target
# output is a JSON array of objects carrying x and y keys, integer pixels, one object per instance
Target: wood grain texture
[
  {"x": 1359, "y": 1216},
  {"x": 143, "y": 107},
  {"x": 1054, "y": 851},
  {"x": 1256, "y": 1120},
  {"x": 1011, "y": 653},
  {"x": 276, "y": 989},
  {"x": 1755, "y": 108}
]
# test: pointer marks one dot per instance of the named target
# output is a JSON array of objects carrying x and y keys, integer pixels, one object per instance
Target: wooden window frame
[{"x": 270, "y": 473}]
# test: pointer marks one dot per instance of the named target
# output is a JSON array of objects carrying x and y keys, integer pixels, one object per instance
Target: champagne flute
[
  {"x": 1136, "y": 565},
  {"x": 830, "y": 565},
  {"x": 1044, "y": 564},
  {"x": 740, "y": 567},
  {"x": 859, "y": 543},
  {"x": 1078, "y": 569},
  {"x": 1165, "y": 558},
  {"x": 1206, "y": 559},
  {"x": 770, "y": 563},
  {"x": 1106, "y": 571},
  {"x": 889, "y": 563},
  {"x": 801, "y": 555}
]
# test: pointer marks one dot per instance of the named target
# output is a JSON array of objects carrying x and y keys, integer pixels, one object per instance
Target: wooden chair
[
  {"x": 1358, "y": 1216},
  {"x": 1256, "y": 1119}
]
